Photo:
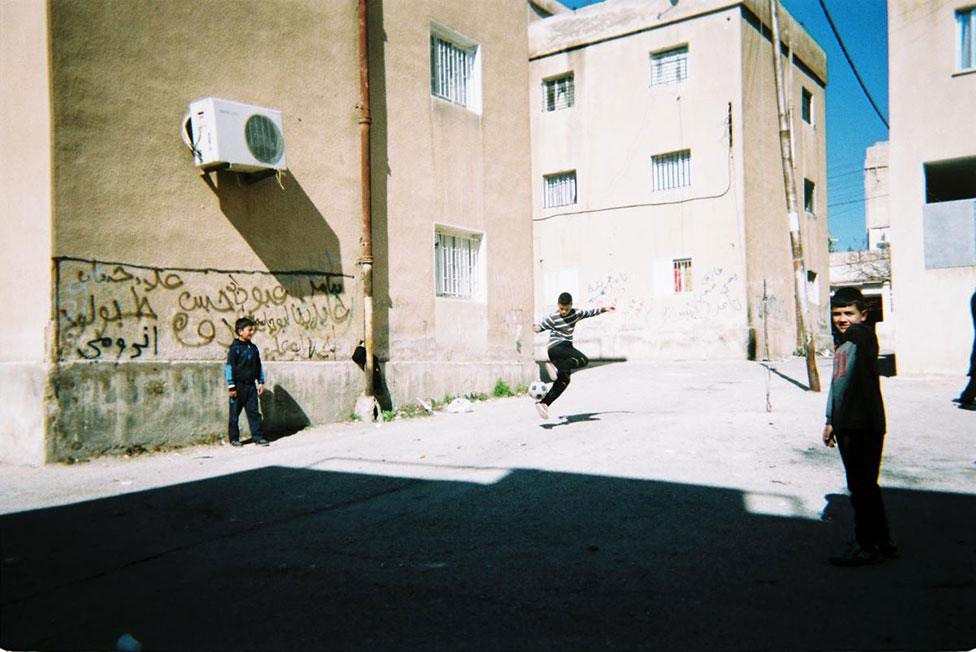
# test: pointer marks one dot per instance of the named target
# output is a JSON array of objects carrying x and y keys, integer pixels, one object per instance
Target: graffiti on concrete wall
[
  {"x": 716, "y": 294},
  {"x": 118, "y": 312}
]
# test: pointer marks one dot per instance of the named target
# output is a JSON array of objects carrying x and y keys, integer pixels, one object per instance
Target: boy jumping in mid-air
[
  {"x": 856, "y": 423},
  {"x": 564, "y": 356}
]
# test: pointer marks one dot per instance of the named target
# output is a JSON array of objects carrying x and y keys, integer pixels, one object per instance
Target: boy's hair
[
  {"x": 847, "y": 296},
  {"x": 243, "y": 323},
  {"x": 565, "y": 299}
]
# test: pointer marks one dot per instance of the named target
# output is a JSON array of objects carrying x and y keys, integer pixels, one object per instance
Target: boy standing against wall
[
  {"x": 856, "y": 422},
  {"x": 562, "y": 354},
  {"x": 243, "y": 370}
]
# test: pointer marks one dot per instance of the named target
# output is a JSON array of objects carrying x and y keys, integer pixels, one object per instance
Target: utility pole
[{"x": 804, "y": 335}]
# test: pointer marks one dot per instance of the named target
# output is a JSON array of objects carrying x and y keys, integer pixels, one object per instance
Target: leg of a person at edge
[
  {"x": 561, "y": 356},
  {"x": 233, "y": 428}
]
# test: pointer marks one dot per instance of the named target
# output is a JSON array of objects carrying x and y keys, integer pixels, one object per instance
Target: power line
[{"x": 851, "y": 63}]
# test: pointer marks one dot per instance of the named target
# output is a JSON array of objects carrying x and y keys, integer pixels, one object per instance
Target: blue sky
[{"x": 852, "y": 124}]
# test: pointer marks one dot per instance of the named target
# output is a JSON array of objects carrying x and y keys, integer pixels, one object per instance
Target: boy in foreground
[
  {"x": 856, "y": 423},
  {"x": 562, "y": 354},
  {"x": 243, "y": 370}
]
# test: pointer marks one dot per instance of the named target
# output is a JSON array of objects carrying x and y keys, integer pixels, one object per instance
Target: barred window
[
  {"x": 806, "y": 106},
  {"x": 682, "y": 275},
  {"x": 671, "y": 170},
  {"x": 560, "y": 189},
  {"x": 809, "y": 193},
  {"x": 669, "y": 67},
  {"x": 457, "y": 264},
  {"x": 559, "y": 93},
  {"x": 966, "y": 20},
  {"x": 453, "y": 70}
]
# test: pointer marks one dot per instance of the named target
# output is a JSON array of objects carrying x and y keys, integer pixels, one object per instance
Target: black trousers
[
  {"x": 566, "y": 358},
  {"x": 969, "y": 392},
  {"x": 247, "y": 400},
  {"x": 860, "y": 451}
]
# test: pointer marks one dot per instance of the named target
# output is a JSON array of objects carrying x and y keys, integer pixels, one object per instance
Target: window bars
[
  {"x": 456, "y": 259},
  {"x": 450, "y": 70},
  {"x": 560, "y": 189},
  {"x": 559, "y": 93},
  {"x": 669, "y": 67},
  {"x": 671, "y": 170}
]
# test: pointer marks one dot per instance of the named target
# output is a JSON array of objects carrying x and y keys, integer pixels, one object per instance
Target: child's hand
[
  {"x": 536, "y": 329},
  {"x": 232, "y": 392},
  {"x": 260, "y": 389},
  {"x": 610, "y": 308},
  {"x": 828, "y": 436}
]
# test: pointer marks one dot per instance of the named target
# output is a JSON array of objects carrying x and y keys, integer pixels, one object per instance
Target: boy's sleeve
[
  {"x": 592, "y": 312},
  {"x": 544, "y": 324},
  {"x": 229, "y": 367},
  {"x": 260, "y": 367}
]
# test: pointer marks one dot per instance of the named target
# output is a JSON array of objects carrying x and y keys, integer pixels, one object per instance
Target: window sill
[{"x": 964, "y": 72}]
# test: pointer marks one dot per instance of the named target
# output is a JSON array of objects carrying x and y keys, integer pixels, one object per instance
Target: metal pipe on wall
[{"x": 366, "y": 239}]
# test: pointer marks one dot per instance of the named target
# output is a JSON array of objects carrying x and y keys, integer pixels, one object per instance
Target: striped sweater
[{"x": 561, "y": 328}]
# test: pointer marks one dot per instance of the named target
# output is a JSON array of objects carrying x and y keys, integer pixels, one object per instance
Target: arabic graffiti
[{"x": 117, "y": 312}]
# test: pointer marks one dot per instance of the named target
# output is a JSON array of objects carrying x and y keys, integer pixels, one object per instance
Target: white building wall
[{"x": 934, "y": 329}]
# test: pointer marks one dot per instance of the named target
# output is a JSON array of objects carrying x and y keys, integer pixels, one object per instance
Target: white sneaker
[{"x": 542, "y": 409}]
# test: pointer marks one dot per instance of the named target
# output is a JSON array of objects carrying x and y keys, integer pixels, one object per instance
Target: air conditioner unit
[{"x": 230, "y": 135}]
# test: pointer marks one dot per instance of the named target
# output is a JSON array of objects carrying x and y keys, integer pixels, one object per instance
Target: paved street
[{"x": 663, "y": 508}]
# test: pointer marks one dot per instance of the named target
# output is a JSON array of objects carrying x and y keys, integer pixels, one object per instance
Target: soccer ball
[{"x": 538, "y": 390}]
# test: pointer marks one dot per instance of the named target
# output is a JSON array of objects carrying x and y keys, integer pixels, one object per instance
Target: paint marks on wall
[{"x": 116, "y": 312}]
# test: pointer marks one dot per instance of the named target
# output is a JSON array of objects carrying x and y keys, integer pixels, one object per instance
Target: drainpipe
[{"x": 365, "y": 261}]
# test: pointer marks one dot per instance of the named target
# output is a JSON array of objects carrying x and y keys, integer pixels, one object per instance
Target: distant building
[
  {"x": 876, "y": 189},
  {"x": 870, "y": 272},
  {"x": 932, "y": 94},
  {"x": 657, "y": 178},
  {"x": 125, "y": 267}
]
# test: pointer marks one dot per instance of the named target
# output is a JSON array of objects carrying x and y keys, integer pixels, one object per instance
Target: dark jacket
[
  {"x": 972, "y": 354},
  {"x": 855, "y": 401},
  {"x": 243, "y": 364}
]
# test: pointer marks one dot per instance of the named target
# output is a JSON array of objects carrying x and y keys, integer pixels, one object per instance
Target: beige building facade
[
  {"x": 657, "y": 177},
  {"x": 877, "y": 188},
  {"x": 932, "y": 94},
  {"x": 128, "y": 266}
]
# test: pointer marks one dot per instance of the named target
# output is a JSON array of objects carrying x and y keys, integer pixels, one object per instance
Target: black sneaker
[
  {"x": 888, "y": 548},
  {"x": 855, "y": 555},
  {"x": 236, "y": 443},
  {"x": 968, "y": 406},
  {"x": 259, "y": 441}
]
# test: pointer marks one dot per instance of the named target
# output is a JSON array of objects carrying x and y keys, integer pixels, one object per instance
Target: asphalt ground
[{"x": 666, "y": 506}]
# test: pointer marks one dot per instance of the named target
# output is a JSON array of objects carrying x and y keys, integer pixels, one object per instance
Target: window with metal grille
[
  {"x": 671, "y": 170},
  {"x": 452, "y": 70},
  {"x": 560, "y": 189},
  {"x": 670, "y": 66},
  {"x": 682, "y": 275},
  {"x": 966, "y": 20},
  {"x": 809, "y": 188},
  {"x": 457, "y": 264},
  {"x": 806, "y": 106},
  {"x": 559, "y": 93}
]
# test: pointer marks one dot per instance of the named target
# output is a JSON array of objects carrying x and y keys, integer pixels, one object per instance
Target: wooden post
[{"x": 804, "y": 337}]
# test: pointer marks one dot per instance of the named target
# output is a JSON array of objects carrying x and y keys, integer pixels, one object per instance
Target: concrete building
[
  {"x": 125, "y": 267},
  {"x": 932, "y": 93},
  {"x": 869, "y": 271},
  {"x": 876, "y": 191},
  {"x": 657, "y": 176}
]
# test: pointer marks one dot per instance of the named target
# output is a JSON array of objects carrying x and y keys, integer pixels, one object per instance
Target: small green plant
[
  {"x": 502, "y": 390},
  {"x": 476, "y": 396},
  {"x": 355, "y": 417},
  {"x": 521, "y": 390},
  {"x": 389, "y": 415}
]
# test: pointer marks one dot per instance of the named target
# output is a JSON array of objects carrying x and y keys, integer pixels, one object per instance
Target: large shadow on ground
[{"x": 288, "y": 559}]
